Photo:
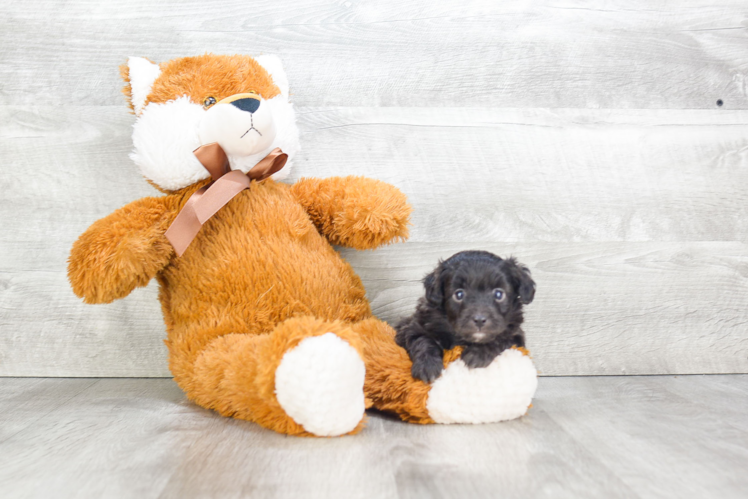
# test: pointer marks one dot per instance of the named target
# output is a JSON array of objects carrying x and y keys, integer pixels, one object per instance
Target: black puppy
[{"x": 473, "y": 299}]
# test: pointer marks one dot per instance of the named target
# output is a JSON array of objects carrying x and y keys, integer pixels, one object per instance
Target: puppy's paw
[
  {"x": 478, "y": 356},
  {"x": 427, "y": 369}
]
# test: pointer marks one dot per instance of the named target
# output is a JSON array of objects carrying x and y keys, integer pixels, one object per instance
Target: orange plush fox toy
[{"x": 265, "y": 321}]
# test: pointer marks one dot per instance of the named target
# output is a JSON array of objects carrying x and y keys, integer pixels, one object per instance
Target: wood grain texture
[
  {"x": 630, "y": 220},
  {"x": 486, "y": 114},
  {"x": 584, "y": 437},
  {"x": 550, "y": 53},
  {"x": 679, "y": 435},
  {"x": 24, "y": 401},
  {"x": 546, "y": 175}
]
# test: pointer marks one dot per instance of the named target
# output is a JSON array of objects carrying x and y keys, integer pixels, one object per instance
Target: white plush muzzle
[{"x": 242, "y": 125}]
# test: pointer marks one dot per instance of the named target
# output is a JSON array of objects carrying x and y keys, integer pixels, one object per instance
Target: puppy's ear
[
  {"x": 433, "y": 283},
  {"x": 523, "y": 282}
]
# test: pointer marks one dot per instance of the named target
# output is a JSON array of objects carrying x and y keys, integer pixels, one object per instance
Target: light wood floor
[{"x": 658, "y": 436}]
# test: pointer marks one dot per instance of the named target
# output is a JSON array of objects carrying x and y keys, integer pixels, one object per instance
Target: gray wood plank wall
[{"x": 582, "y": 137}]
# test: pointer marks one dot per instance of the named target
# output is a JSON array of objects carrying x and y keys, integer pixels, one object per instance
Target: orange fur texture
[{"x": 261, "y": 275}]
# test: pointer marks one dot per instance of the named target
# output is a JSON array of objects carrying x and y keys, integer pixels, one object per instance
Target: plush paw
[
  {"x": 427, "y": 368},
  {"x": 501, "y": 391},
  {"x": 320, "y": 385}
]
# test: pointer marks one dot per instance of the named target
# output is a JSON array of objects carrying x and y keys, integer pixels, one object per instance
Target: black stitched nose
[
  {"x": 247, "y": 104},
  {"x": 479, "y": 320}
]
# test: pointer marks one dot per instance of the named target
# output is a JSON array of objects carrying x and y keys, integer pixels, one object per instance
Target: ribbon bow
[{"x": 208, "y": 200}]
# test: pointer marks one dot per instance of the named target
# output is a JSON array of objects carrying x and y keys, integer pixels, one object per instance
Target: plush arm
[
  {"x": 121, "y": 251},
  {"x": 355, "y": 211}
]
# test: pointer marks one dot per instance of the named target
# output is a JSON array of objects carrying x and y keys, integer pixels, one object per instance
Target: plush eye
[
  {"x": 209, "y": 101},
  {"x": 499, "y": 294},
  {"x": 459, "y": 295}
]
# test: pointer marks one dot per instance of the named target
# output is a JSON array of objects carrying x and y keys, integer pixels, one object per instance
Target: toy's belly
[{"x": 258, "y": 261}]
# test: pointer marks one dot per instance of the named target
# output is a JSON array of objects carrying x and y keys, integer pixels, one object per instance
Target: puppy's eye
[
  {"x": 459, "y": 295},
  {"x": 499, "y": 294},
  {"x": 209, "y": 101}
]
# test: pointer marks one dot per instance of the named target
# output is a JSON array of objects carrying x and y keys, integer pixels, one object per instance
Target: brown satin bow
[{"x": 208, "y": 200}]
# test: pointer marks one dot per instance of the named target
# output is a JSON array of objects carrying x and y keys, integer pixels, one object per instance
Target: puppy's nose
[
  {"x": 479, "y": 320},
  {"x": 249, "y": 104}
]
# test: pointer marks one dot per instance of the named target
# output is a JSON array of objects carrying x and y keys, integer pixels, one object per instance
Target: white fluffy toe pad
[
  {"x": 501, "y": 391},
  {"x": 320, "y": 385}
]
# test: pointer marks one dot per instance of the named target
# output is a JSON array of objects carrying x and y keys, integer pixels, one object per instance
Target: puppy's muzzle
[{"x": 479, "y": 320}]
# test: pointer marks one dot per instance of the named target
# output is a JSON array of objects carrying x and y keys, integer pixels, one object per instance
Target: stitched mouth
[
  {"x": 251, "y": 127},
  {"x": 249, "y": 130}
]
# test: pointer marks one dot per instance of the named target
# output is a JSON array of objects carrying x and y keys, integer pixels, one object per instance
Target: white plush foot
[
  {"x": 320, "y": 385},
  {"x": 501, "y": 391}
]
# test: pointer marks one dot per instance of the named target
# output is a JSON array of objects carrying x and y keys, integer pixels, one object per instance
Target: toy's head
[{"x": 239, "y": 102}]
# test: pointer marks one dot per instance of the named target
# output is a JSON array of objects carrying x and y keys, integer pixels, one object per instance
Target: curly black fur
[{"x": 473, "y": 299}]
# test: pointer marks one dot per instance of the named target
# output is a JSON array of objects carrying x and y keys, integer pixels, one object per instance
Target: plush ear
[
  {"x": 139, "y": 73},
  {"x": 522, "y": 280},
  {"x": 274, "y": 66},
  {"x": 434, "y": 285}
]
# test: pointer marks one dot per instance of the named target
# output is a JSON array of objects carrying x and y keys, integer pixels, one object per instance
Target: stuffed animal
[{"x": 266, "y": 322}]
